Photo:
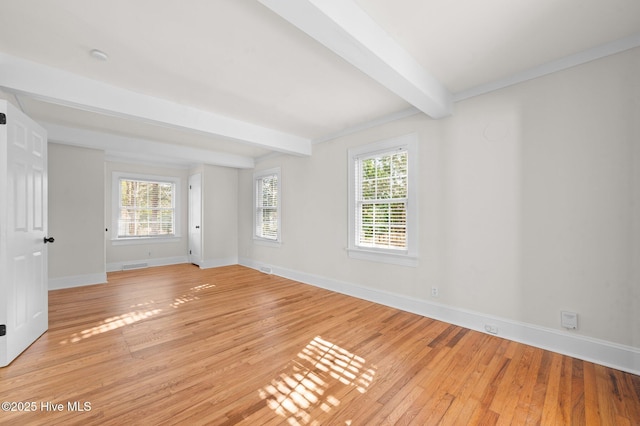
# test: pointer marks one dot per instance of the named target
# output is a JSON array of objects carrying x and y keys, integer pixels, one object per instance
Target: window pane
[
  {"x": 383, "y": 225},
  {"x": 267, "y": 207},
  {"x": 269, "y": 191},
  {"x": 398, "y": 214},
  {"x": 382, "y": 222},
  {"x": 384, "y": 189},
  {"x": 366, "y": 235},
  {"x": 383, "y": 177},
  {"x": 368, "y": 190},
  {"x": 366, "y": 214},
  {"x": 399, "y": 164},
  {"x": 147, "y": 208},
  {"x": 398, "y": 237},
  {"x": 381, "y": 236},
  {"x": 269, "y": 223},
  {"x": 369, "y": 168},
  {"x": 384, "y": 166},
  {"x": 382, "y": 213},
  {"x": 166, "y": 196},
  {"x": 399, "y": 187}
]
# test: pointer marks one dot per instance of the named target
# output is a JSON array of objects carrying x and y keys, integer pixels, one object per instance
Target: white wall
[
  {"x": 153, "y": 253},
  {"x": 9, "y": 98},
  {"x": 529, "y": 205},
  {"x": 76, "y": 216}
]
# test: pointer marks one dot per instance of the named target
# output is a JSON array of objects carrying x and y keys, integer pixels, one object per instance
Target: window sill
[
  {"x": 383, "y": 257},
  {"x": 144, "y": 240}
]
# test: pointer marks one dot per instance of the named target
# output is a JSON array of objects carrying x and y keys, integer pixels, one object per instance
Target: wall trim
[
  {"x": 77, "y": 281},
  {"x": 557, "y": 65},
  {"x": 609, "y": 354},
  {"x": 216, "y": 263},
  {"x": 145, "y": 263}
]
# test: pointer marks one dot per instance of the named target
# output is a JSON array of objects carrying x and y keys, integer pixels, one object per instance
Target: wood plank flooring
[{"x": 180, "y": 345}]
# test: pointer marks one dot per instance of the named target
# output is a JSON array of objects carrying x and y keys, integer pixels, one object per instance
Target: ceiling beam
[
  {"x": 142, "y": 149},
  {"x": 64, "y": 88},
  {"x": 347, "y": 30}
]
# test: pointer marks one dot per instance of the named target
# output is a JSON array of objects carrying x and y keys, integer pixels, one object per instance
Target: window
[
  {"x": 144, "y": 206},
  {"x": 382, "y": 201},
  {"x": 267, "y": 205}
]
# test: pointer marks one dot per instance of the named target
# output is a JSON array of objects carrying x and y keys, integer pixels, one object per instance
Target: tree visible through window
[
  {"x": 267, "y": 220},
  {"x": 383, "y": 208},
  {"x": 146, "y": 208},
  {"x": 381, "y": 193}
]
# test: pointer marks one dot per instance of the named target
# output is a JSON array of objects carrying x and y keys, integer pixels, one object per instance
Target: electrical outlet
[
  {"x": 434, "y": 292},
  {"x": 569, "y": 320}
]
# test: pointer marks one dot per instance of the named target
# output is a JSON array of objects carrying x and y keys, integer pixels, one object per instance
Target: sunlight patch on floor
[
  {"x": 118, "y": 321},
  {"x": 112, "y": 324},
  {"x": 320, "y": 366},
  {"x": 191, "y": 296}
]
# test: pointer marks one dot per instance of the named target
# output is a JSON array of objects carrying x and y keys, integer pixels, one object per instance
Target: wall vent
[
  {"x": 134, "y": 266},
  {"x": 266, "y": 270}
]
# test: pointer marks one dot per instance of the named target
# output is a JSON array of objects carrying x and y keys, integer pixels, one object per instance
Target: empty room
[{"x": 320, "y": 212}]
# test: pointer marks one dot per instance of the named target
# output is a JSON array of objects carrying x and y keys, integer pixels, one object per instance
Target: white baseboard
[
  {"x": 145, "y": 263},
  {"x": 77, "y": 281},
  {"x": 216, "y": 263},
  {"x": 621, "y": 357}
]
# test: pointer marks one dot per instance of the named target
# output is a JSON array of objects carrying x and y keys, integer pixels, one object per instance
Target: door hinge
[
  {"x": 3, "y": 118},
  {"x": 189, "y": 251},
  {"x": 3, "y": 330}
]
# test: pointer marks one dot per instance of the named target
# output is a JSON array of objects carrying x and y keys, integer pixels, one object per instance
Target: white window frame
[
  {"x": 257, "y": 177},
  {"x": 115, "y": 207},
  {"x": 409, "y": 255}
]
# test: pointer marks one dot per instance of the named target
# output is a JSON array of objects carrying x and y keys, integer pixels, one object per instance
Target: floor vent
[{"x": 134, "y": 266}]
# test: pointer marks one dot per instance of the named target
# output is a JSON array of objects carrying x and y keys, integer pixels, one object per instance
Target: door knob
[
  {"x": 197, "y": 226},
  {"x": 48, "y": 240}
]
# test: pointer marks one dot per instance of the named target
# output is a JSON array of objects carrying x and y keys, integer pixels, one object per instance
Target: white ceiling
[{"x": 230, "y": 81}]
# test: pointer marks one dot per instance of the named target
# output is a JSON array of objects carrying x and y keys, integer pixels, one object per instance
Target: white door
[
  {"x": 195, "y": 219},
  {"x": 23, "y": 229}
]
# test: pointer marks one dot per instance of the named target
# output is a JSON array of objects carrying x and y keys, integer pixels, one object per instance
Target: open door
[
  {"x": 195, "y": 219},
  {"x": 23, "y": 232}
]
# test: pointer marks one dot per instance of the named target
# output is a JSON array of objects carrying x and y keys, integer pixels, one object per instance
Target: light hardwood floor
[{"x": 180, "y": 345}]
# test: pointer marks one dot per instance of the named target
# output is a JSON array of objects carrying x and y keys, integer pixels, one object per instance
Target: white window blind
[
  {"x": 381, "y": 200},
  {"x": 383, "y": 208},
  {"x": 146, "y": 208},
  {"x": 267, "y": 220}
]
